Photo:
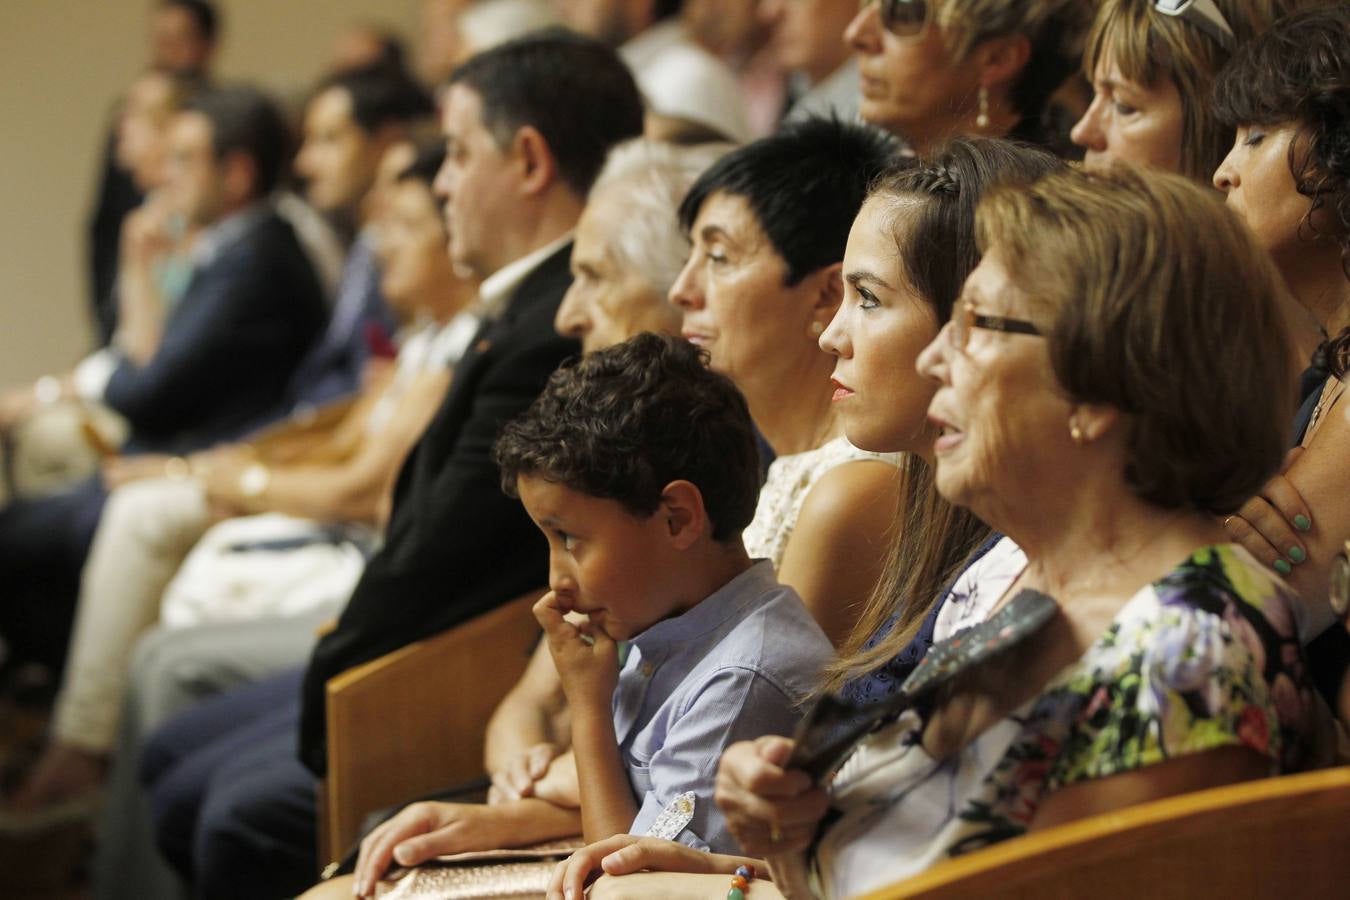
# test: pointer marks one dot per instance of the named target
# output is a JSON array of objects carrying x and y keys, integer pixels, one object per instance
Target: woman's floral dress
[{"x": 1205, "y": 657}]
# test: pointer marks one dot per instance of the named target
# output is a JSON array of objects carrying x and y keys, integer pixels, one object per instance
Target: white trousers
[{"x": 146, "y": 530}]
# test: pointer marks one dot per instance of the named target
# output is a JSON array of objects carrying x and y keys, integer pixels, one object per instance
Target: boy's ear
[{"x": 682, "y": 507}]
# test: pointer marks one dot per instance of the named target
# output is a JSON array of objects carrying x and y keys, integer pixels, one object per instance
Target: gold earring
[{"x": 1075, "y": 432}]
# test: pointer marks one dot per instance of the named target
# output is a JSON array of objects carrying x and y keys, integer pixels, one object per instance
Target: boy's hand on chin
[{"x": 587, "y": 658}]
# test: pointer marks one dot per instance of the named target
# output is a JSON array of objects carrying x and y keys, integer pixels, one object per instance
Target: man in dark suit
[
  {"x": 211, "y": 369},
  {"x": 528, "y": 125}
]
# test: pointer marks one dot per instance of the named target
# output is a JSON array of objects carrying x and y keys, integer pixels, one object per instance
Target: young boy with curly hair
[{"x": 640, "y": 466}]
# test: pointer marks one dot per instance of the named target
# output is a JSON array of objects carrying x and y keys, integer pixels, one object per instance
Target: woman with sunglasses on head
[
  {"x": 1152, "y": 64},
  {"x": 934, "y": 69},
  {"x": 1288, "y": 174},
  {"x": 1142, "y": 656}
]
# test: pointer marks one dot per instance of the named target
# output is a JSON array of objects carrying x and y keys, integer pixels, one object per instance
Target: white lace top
[{"x": 789, "y": 480}]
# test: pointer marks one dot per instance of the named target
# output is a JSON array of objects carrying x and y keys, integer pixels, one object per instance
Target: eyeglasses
[
  {"x": 965, "y": 319},
  {"x": 907, "y": 19},
  {"x": 1203, "y": 14}
]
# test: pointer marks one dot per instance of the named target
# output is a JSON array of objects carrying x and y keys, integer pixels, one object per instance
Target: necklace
[{"x": 1324, "y": 402}]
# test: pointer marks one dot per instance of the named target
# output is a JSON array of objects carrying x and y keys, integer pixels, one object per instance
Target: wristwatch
[{"x": 1340, "y": 582}]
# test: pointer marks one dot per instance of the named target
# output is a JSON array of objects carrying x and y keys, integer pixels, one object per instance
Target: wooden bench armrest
[
  {"x": 1274, "y": 837},
  {"x": 413, "y": 721}
]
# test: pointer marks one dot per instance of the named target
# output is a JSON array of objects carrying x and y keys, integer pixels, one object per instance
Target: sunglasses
[
  {"x": 1203, "y": 14},
  {"x": 904, "y": 18}
]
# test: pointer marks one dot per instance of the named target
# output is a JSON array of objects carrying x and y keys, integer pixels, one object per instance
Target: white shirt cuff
[{"x": 94, "y": 372}]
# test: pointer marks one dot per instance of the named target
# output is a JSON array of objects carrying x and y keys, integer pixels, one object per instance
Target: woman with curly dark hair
[{"x": 1288, "y": 175}]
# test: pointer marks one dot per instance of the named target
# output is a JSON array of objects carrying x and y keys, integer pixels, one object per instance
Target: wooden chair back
[
  {"x": 1278, "y": 837},
  {"x": 413, "y": 721}
]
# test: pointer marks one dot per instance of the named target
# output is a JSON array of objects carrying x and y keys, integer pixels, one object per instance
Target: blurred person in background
[
  {"x": 807, "y": 37},
  {"x": 691, "y": 95},
  {"x": 45, "y": 438},
  {"x": 933, "y": 69},
  {"x": 439, "y": 43},
  {"x": 332, "y": 472},
  {"x": 734, "y": 32},
  {"x": 183, "y": 39},
  {"x": 450, "y": 31},
  {"x": 367, "y": 45},
  {"x": 213, "y": 368},
  {"x": 184, "y": 36},
  {"x": 487, "y": 23}
]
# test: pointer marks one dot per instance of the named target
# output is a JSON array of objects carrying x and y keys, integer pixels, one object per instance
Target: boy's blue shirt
[{"x": 735, "y": 667}]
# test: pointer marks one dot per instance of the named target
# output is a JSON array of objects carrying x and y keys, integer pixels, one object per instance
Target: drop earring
[
  {"x": 1075, "y": 433},
  {"x": 982, "y": 117}
]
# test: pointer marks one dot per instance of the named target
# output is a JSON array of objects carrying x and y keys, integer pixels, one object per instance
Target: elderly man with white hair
[{"x": 629, "y": 247}]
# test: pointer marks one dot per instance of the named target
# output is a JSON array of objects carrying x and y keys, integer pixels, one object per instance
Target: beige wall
[{"x": 62, "y": 62}]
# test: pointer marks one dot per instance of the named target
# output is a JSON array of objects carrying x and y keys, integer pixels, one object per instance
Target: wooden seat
[
  {"x": 413, "y": 721},
  {"x": 1279, "y": 837}
]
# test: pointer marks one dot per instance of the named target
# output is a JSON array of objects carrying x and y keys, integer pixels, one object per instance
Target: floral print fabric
[{"x": 1205, "y": 657}]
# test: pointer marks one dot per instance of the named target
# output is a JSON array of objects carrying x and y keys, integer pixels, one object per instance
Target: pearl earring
[
  {"x": 817, "y": 329},
  {"x": 982, "y": 118},
  {"x": 1076, "y": 433}
]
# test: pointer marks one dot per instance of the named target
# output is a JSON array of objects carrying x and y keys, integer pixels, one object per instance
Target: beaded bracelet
[{"x": 740, "y": 882}]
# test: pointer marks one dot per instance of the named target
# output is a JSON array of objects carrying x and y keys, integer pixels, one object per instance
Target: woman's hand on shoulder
[
  {"x": 1300, "y": 519},
  {"x": 770, "y": 809},
  {"x": 1268, "y": 525}
]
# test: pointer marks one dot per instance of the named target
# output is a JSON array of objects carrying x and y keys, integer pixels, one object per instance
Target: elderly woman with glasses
[
  {"x": 934, "y": 69},
  {"x": 1114, "y": 648},
  {"x": 1152, "y": 64}
]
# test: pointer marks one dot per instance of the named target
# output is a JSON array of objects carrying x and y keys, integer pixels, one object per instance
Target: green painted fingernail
[
  {"x": 1302, "y": 522},
  {"x": 1297, "y": 555},
  {"x": 1283, "y": 567}
]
